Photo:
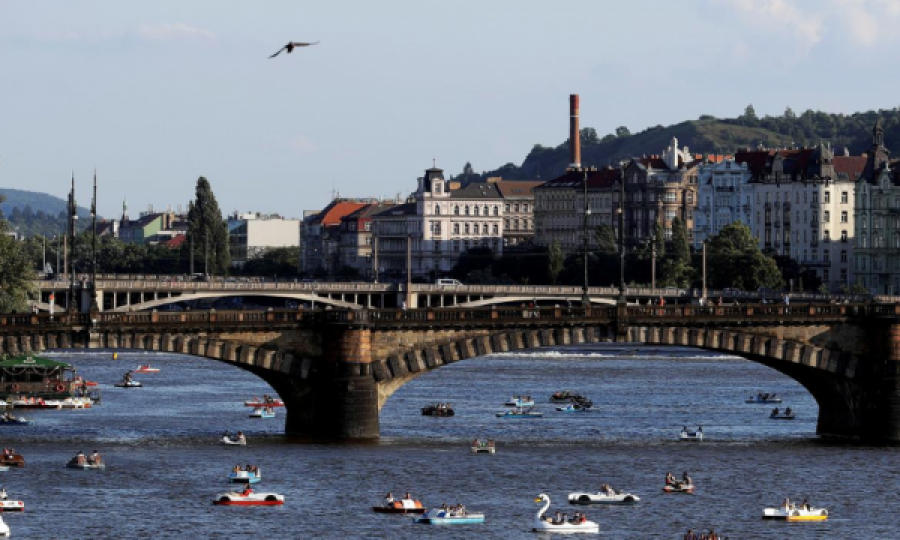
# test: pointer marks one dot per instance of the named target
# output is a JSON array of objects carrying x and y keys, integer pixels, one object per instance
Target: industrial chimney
[{"x": 574, "y": 135}]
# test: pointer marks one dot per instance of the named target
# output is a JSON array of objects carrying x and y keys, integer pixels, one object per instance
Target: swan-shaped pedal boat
[
  {"x": 239, "y": 441},
  {"x": 691, "y": 436},
  {"x": 4, "y": 529},
  {"x": 793, "y": 513},
  {"x": 245, "y": 477},
  {"x": 546, "y": 524},
  {"x": 248, "y": 497},
  {"x": 520, "y": 401},
  {"x": 602, "y": 497},
  {"x": 402, "y": 506},
  {"x": 443, "y": 516},
  {"x": 146, "y": 369}
]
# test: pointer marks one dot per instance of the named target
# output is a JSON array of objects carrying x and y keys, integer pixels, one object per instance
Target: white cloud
[
  {"x": 781, "y": 16},
  {"x": 173, "y": 31},
  {"x": 860, "y": 20}
]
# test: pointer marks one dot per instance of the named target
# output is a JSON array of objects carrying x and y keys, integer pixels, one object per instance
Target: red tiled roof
[
  {"x": 332, "y": 214},
  {"x": 517, "y": 188},
  {"x": 852, "y": 166},
  {"x": 175, "y": 241}
]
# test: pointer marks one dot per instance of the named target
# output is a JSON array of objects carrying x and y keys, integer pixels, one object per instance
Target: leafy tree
[
  {"x": 556, "y": 262},
  {"x": 660, "y": 236},
  {"x": 589, "y": 136},
  {"x": 606, "y": 239},
  {"x": 622, "y": 132},
  {"x": 16, "y": 273},
  {"x": 276, "y": 262},
  {"x": 472, "y": 263},
  {"x": 749, "y": 117},
  {"x": 681, "y": 248},
  {"x": 789, "y": 114},
  {"x": 735, "y": 260},
  {"x": 208, "y": 230}
]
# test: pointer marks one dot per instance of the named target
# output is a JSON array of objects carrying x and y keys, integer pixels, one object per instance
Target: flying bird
[{"x": 290, "y": 47}]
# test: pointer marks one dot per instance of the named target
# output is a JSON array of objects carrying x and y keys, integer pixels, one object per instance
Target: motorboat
[
  {"x": 402, "y": 506},
  {"x": 483, "y": 447},
  {"x": 520, "y": 401},
  {"x": 129, "y": 384},
  {"x": 527, "y": 412},
  {"x": 79, "y": 380},
  {"x": 7, "y": 505},
  {"x": 239, "y": 441},
  {"x": 12, "y": 459},
  {"x": 791, "y": 512},
  {"x": 76, "y": 403},
  {"x": 679, "y": 487},
  {"x": 261, "y": 412},
  {"x": 85, "y": 464},
  {"x": 691, "y": 436},
  {"x": 603, "y": 497},
  {"x": 245, "y": 477},
  {"x": 566, "y": 396},
  {"x": 3, "y": 468},
  {"x": 265, "y": 402},
  {"x": 444, "y": 516},
  {"x": 440, "y": 410},
  {"x": 764, "y": 398},
  {"x": 786, "y": 414},
  {"x": 577, "y": 406},
  {"x": 146, "y": 369},
  {"x": 7, "y": 419},
  {"x": 34, "y": 403},
  {"x": 248, "y": 497},
  {"x": 4, "y": 529},
  {"x": 547, "y": 524}
]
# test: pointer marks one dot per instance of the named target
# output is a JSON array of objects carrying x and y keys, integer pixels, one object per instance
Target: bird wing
[
  {"x": 300, "y": 44},
  {"x": 279, "y": 52}
]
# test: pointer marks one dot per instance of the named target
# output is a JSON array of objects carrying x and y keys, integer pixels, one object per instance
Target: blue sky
[{"x": 156, "y": 93}]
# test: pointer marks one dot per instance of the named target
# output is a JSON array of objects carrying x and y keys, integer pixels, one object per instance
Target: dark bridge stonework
[{"x": 335, "y": 369}]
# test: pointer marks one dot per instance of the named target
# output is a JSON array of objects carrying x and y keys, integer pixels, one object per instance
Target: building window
[
  {"x": 506, "y": 223},
  {"x": 826, "y": 256},
  {"x": 843, "y": 236},
  {"x": 475, "y": 210},
  {"x": 456, "y": 246},
  {"x": 456, "y": 228},
  {"x": 826, "y": 197},
  {"x": 467, "y": 209},
  {"x": 843, "y": 255},
  {"x": 670, "y": 196},
  {"x": 815, "y": 197},
  {"x": 496, "y": 228},
  {"x": 844, "y": 216},
  {"x": 456, "y": 210},
  {"x": 843, "y": 275},
  {"x": 496, "y": 210},
  {"x": 437, "y": 210},
  {"x": 826, "y": 235},
  {"x": 466, "y": 228},
  {"x": 826, "y": 215},
  {"x": 844, "y": 197}
]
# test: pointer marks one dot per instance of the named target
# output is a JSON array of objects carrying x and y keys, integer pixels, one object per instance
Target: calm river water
[{"x": 164, "y": 462}]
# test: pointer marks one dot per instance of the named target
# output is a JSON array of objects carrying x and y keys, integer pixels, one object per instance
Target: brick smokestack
[{"x": 574, "y": 135}]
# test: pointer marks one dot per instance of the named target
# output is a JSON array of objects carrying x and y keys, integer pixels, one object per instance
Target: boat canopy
[{"x": 34, "y": 364}]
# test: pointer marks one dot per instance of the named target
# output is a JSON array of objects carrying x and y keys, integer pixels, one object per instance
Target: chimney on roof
[{"x": 574, "y": 136}]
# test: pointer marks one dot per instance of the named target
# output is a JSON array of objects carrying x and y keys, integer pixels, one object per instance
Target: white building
[
  {"x": 251, "y": 234},
  {"x": 440, "y": 223},
  {"x": 726, "y": 196}
]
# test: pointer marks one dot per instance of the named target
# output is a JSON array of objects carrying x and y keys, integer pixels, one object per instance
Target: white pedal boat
[
  {"x": 796, "y": 514},
  {"x": 4, "y": 529},
  {"x": 128, "y": 384},
  {"x": 678, "y": 487},
  {"x": 691, "y": 436},
  {"x": 576, "y": 407},
  {"x": 439, "y": 516},
  {"x": 228, "y": 440},
  {"x": 542, "y": 524},
  {"x": 87, "y": 465},
  {"x": 248, "y": 497},
  {"x": 483, "y": 449},
  {"x": 146, "y": 369},
  {"x": 12, "y": 506},
  {"x": 764, "y": 398},
  {"x": 602, "y": 498},
  {"x": 520, "y": 402},
  {"x": 245, "y": 477},
  {"x": 262, "y": 413}
]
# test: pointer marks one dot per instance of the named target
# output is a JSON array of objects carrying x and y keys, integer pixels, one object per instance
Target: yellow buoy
[{"x": 115, "y": 356}]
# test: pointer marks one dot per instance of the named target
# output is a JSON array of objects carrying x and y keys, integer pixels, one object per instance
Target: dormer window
[{"x": 437, "y": 187}]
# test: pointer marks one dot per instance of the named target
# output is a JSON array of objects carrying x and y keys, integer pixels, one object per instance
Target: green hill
[
  {"x": 708, "y": 135},
  {"x": 31, "y": 213}
]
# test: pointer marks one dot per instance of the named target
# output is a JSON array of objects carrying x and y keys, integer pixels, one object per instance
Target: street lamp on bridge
[{"x": 622, "y": 298}]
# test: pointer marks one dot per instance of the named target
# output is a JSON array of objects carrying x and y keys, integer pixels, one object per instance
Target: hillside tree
[{"x": 16, "y": 273}]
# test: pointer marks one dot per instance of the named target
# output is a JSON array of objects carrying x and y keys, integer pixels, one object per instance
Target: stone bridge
[{"x": 335, "y": 369}]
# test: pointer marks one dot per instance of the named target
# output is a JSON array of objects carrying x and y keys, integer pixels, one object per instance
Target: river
[{"x": 164, "y": 462}]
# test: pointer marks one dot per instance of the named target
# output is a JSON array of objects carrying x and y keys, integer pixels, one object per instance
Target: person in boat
[
  {"x": 805, "y": 504},
  {"x": 670, "y": 479},
  {"x": 607, "y": 490},
  {"x": 236, "y": 469},
  {"x": 80, "y": 458},
  {"x": 476, "y": 443},
  {"x": 95, "y": 458},
  {"x": 490, "y": 443},
  {"x": 786, "y": 505},
  {"x": 557, "y": 519},
  {"x": 247, "y": 491},
  {"x": 389, "y": 500},
  {"x": 775, "y": 411},
  {"x": 240, "y": 437},
  {"x": 689, "y": 535},
  {"x": 408, "y": 497},
  {"x": 685, "y": 479},
  {"x": 787, "y": 412},
  {"x": 3, "y": 495}
]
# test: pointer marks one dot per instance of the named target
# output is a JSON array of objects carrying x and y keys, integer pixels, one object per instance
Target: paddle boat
[
  {"x": 406, "y": 505},
  {"x": 679, "y": 487},
  {"x": 447, "y": 516},
  {"x": 4, "y": 529},
  {"x": 439, "y": 410},
  {"x": 527, "y": 412},
  {"x": 266, "y": 401},
  {"x": 786, "y": 414},
  {"x": 129, "y": 383},
  {"x": 79, "y": 461},
  {"x": 10, "y": 458},
  {"x": 7, "y": 505},
  {"x": 7, "y": 419},
  {"x": 520, "y": 401},
  {"x": 764, "y": 398},
  {"x": 565, "y": 396},
  {"x": 3, "y": 468},
  {"x": 606, "y": 495},
  {"x": 248, "y": 497},
  {"x": 241, "y": 476},
  {"x": 145, "y": 368},
  {"x": 548, "y": 524},
  {"x": 483, "y": 447},
  {"x": 261, "y": 412},
  {"x": 691, "y": 436},
  {"x": 577, "y": 406},
  {"x": 792, "y": 512},
  {"x": 76, "y": 403},
  {"x": 238, "y": 440}
]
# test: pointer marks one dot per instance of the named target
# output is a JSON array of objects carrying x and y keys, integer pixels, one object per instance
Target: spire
[{"x": 878, "y": 134}]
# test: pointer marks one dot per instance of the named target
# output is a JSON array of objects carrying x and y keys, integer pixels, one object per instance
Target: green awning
[{"x": 24, "y": 361}]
